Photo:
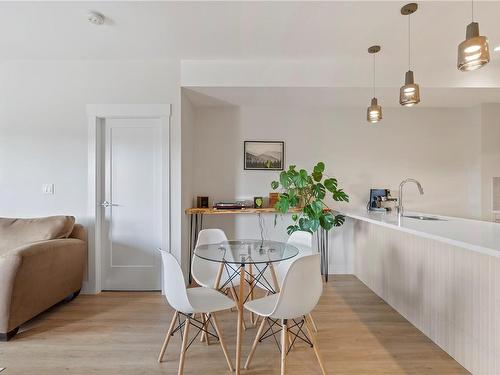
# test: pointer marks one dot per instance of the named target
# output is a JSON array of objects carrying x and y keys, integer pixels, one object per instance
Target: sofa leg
[
  {"x": 7, "y": 336},
  {"x": 72, "y": 296}
]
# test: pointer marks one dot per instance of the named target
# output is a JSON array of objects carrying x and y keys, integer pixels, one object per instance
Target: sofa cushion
[{"x": 17, "y": 232}]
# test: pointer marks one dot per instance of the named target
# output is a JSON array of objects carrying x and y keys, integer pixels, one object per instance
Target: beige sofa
[{"x": 41, "y": 263}]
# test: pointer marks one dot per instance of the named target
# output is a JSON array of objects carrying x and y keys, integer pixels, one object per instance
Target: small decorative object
[
  {"x": 246, "y": 203},
  {"x": 273, "y": 199},
  {"x": 264, "y": 155},
  {"x": 258, "y": 202},
  {"x": 297, "y": 186},
  {"x": 202, "y": 202}
]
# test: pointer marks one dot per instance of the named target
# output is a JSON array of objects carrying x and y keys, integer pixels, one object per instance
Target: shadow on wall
[{"x": 220, "y": 161}]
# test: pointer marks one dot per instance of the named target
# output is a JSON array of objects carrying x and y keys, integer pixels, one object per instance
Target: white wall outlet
[{"x": 48, "y": 188}]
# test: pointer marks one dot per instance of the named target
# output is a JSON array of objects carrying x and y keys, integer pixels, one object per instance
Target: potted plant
[{"x": 299, "y": 189}]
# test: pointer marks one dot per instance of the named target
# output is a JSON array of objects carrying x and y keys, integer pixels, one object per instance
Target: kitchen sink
[{"x": 420, "y": 217}]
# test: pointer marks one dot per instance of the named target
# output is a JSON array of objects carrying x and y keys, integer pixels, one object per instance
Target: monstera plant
[{"x": 299, "y": 189}]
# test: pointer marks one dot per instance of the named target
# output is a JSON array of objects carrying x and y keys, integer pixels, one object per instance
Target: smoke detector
[{"x": 95, "y": 18}]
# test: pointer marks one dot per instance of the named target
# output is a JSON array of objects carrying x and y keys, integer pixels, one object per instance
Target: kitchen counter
[
  {"x": 442, "y": 276},
  {"x": 475, "y": 235}
]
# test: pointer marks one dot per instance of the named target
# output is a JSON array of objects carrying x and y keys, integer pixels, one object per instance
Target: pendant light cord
[
  {"x": 374, "y": 75},
  {"x": 472, "y": 9},
  {"x": 409, "y": 42}
]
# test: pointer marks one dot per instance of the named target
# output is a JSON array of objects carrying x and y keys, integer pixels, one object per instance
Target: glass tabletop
[{"x": 246, "y": 251}]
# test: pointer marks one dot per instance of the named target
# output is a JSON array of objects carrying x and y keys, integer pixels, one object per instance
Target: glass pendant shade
[
  {"x": 474, "y": 51},
  {"x": 409, "y": 93},
  {"x": 374, "y": 112}
]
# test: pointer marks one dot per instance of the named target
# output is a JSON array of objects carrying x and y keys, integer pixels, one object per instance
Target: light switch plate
[{"x": 48, "y": 188}]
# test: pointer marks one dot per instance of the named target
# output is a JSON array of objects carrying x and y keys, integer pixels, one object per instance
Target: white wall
[
  {"x": 439, "y": 147},
  {"x": 490, "y": 156},
  {"x": 188, "y": 123},
  {"x": 43, "y": 129},
  {"x": 43, "y": 139}
]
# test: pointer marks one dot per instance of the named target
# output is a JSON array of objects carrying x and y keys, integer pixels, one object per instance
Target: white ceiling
[
  {"x": 301, "y": 30},
  {"x": 246, "y": 30}
]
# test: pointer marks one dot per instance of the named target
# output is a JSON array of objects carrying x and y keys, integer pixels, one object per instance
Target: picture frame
[{"x": 264, "y": 155}]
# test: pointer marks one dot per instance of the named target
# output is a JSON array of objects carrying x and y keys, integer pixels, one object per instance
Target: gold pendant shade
[
  {"x": 474, "y": 51},
  {"x": 374, "y": 112},
  {"x": 409, "y": 93}
]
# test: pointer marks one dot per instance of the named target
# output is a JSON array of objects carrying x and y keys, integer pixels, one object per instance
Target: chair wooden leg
[
  {"x": 218, "y": 277},
  {"x": 229, "y": 291},
  {"x": 315, "y": 346},
  {"x": 167, "y": 337},
  {"x": 257, "y": 318},
  {"x": 313, "y": 323},
  {"x": 275, "y": 278},
  {"x": 233, "y": 294},
  {"x": 221, "y": 341},
  {"x": 207, "y": 336},
  {"x": 241, "y": 318},
  {"x": 284, "y": 345},
  {"x": 185, "y": 340},
  {"x": 204, "y": 336},
  {"x": 290, "y": 339},
  {"x": 252, "y": 280},
  {"x": 255, "y": 342}
]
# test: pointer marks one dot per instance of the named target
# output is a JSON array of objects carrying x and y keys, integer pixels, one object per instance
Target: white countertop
[{"x": 476, "y": 235}]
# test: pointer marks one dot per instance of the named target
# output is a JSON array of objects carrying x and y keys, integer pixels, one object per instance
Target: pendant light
[
  {"x": 474, "y": 51},
  {"x": 409, "y": 93},
  {"x": 374, "y": 111}
]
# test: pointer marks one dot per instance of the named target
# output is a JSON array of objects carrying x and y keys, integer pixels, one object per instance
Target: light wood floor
[{"x": 121, "y": 333}]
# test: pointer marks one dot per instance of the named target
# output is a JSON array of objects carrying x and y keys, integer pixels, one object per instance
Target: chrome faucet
[{"x": 399, "y": 207}]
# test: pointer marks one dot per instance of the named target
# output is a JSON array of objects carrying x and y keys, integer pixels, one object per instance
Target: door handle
[{"x": 107, "y": 204}]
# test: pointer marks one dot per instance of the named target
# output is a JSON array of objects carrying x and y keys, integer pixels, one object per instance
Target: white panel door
[{"x": 132, "y": 204}]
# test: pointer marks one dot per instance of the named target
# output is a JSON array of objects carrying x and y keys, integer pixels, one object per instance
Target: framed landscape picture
[{"x": 264, "y": 155}]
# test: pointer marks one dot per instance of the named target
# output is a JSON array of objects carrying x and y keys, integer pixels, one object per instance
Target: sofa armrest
[
  {"x": 41, "y": 274},
  {"x": 9, "y": 265},
  {"x": 51, "y": 248},
  {"x": 79, "y": 232}
]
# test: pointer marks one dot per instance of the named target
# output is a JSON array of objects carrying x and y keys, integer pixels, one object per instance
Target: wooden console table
[{"x": 196, "y": 224}]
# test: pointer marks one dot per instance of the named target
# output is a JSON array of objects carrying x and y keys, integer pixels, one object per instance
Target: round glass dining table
[
  {"x": 249, "y": 260},
  {"x": 247, "y": 251}
]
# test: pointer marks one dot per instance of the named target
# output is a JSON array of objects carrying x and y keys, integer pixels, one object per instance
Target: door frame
[{"x": 96, "y": 114}]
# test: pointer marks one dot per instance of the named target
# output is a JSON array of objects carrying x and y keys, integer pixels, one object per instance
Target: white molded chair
[
  {"x": 204, "y": 271},
  {"x": 187, "y": 303},
  {"x": 300, "y": 293},
  {"x": 303, "y": 242}
]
